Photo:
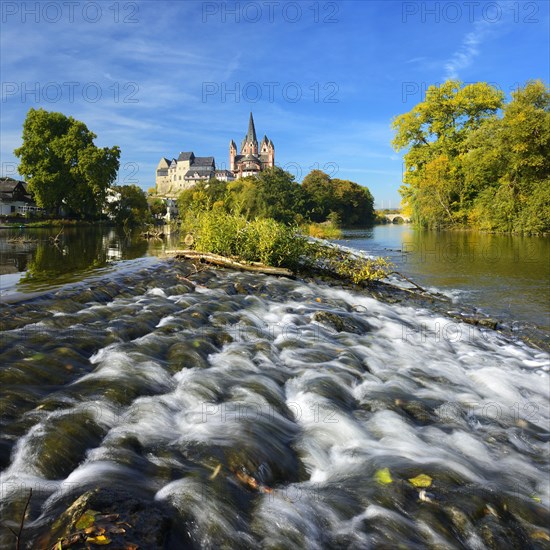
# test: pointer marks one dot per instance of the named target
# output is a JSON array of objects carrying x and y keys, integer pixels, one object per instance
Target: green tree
[
  {"x": 203, "y": 196},
  {"x": 131, "y": 208},
  {"x": 345, "y": 200},
  {"x": 63, "y": 166},
  {"x": 280, "y": 197},
  {"x": 158, "y": 208},
  {"x": 273, "y": 193},
  {"x": 354, "y": 203},
  {"x": 319, "y": 195},
  {"x": 434, "y": 133},
  {"x": 507, "y": 165}
]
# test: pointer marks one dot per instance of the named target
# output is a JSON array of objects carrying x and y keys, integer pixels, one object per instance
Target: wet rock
[
  {"x": 125, "y": 518},
  {"x": 342, "y": 322},
  {"x": 337, "y": 396},
  {"x": 417, "y": 410},
  {"x": 5, "y": 453},
  {"x": 60, "y": 446},
  {"x": 182, "y": 356},
  {"x": 241, "y": 288},
  {"x": 497, "y": 534},
  {"x": 179, "y": 289}
]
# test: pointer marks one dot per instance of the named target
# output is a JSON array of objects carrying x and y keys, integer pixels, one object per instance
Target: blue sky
[{"x": 323, "y": 79}]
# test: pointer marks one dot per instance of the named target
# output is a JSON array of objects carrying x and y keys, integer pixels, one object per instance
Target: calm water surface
[
  {"x": 507, "y": 277},
  {"x": 41, "y": 264}
]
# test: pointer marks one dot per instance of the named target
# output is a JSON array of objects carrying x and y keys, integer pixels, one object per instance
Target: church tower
[
  {"x": 253, "y": 158},
  {"x": 267, "y": 152},
  {"x": 249, "y": 145},
  {"x": 232, "y": 155}
]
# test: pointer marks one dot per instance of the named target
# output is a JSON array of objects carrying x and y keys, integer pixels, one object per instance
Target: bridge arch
[{"x": 393, "y": 217}]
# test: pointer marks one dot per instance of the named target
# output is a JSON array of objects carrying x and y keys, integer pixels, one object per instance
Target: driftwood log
[{"x": 223, "y": 261}]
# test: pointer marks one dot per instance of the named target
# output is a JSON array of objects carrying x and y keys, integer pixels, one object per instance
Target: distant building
[
  {"x": 15, "y": 198},
  {"x": 112, "y": 198},
  {"x": 172, "y": 210},
  {"x": 176, "y": 175},
  {"x": 224, "y": 175},
  {"x": 252, "y": 158}
]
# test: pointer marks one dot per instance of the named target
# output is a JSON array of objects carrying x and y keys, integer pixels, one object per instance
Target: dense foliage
[
  {"x": 62, "y": 165},
  {"x": 130, "y": 206},
  {"x": 276, "y": 244},
  {"x": 261, "y": 240},
  {"x": 473, "y": 160},
  {"x": 339, "y": 200},
  {"x": 158, "y": 208},
  {"x": 275, "y": 194}
]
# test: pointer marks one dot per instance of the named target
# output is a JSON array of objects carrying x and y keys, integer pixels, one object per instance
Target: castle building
[
  {"x": 252, "y": 158},
  {"x": 176, "y": 175}
]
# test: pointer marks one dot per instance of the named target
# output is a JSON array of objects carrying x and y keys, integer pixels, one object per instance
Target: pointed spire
[{"x": 251, "y": 134}]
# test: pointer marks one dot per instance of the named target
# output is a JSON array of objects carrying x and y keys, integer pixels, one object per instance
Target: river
[
  {"x": 505, "y": 276},
  {"x": 265, "y": 412}
]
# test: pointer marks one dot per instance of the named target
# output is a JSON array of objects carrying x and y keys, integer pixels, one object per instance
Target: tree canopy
[
  {"x": 63, "y": 166},
  {"x": 473, "y": 160},
  {"x": 345, "y": 200},
  {"x": 130, "y": 206},
  {"x": 275, "y": 194}
]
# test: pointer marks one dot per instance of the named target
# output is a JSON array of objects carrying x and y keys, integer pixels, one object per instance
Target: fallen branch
[
  {"x": 55, "y": 239},
  {"x": 408, "y": 280},
  {"x": 18, "y": 534},
  {"x": 223, "y": 261}
]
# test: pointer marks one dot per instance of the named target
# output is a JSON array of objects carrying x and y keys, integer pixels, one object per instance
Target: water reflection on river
[
  {"x": 506, "y": 276},
  {"x": 41, "y": 263}
]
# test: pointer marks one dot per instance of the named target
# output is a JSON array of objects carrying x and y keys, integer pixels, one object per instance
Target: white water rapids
[{"x": 181, "y": 392}]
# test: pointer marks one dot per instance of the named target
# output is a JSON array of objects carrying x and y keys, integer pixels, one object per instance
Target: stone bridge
[{"x": 393, "y": 217}]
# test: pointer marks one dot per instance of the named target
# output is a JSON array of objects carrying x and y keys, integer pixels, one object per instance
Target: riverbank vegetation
[
  {"x": 270, "y": 242},
  {"x": 275, "y": 194},
  {"x": 129, "y": 206},
  {"x": 269, "y": 219},
  {"x": 475, "y": 161},
  {"x": 65, "y": 170}
]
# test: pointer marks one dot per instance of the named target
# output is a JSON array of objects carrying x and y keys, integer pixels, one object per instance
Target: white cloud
[
  {"x": 464, "y": 56},
  {"x": 470, "y": 48}
]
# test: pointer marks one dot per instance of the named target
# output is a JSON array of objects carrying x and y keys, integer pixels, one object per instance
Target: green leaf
[
  {"x": 100, "y": 540},
  {"x": 422, "y": 480},
  {"x": 87, "y": 519},
  {"x": 383, "y": 476}
]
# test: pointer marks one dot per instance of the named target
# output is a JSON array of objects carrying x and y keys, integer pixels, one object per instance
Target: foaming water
[{"x": 262, "y": 412}]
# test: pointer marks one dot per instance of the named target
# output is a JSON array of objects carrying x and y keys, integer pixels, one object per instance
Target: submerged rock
[
  {"x": 113, "y": 517},
  {"x": 342, "y": 322}
]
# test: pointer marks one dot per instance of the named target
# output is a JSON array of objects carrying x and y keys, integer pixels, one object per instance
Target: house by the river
[{"x": 15, "y": 199}]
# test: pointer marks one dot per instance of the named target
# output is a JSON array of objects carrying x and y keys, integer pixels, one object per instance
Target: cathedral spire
[{"x": 251, "y": 134}]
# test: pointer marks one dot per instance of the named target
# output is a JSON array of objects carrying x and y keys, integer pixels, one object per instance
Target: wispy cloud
[
  {"x": 470, "y": 47},
  {"x": 152, "y": 76},
  {"x": 465, "y": 55}
]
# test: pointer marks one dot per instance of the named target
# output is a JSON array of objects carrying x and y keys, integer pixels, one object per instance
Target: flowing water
[
  {"x": 507, "y": 276},
  {"x": 267, "y": 413}
]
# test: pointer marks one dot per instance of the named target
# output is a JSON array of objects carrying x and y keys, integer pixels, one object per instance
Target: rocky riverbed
[{"x": 232, "y": 410}]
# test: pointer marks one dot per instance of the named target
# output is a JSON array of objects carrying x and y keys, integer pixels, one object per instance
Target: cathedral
[
  {"x": 176, "y": 175},
  {"x": 253, "y": 158}
]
